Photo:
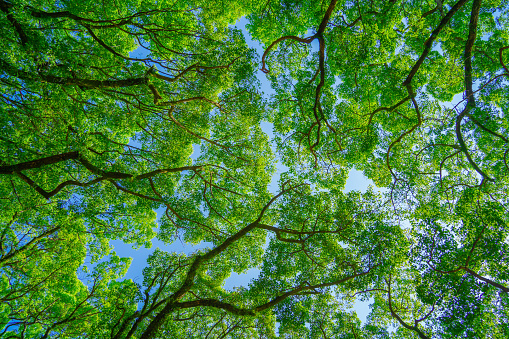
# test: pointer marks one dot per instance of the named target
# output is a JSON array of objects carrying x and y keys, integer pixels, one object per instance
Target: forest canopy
[{"x": 103, "y": 102}]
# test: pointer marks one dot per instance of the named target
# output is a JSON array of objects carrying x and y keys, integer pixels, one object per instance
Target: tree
[{"x": 102, "y": 105}]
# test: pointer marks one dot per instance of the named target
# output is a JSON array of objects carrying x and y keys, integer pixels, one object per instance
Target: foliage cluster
[{"x": 101, "y": 104}]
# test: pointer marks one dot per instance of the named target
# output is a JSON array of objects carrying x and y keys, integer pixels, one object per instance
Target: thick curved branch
[
  {"x": 326, "y": 17},
  {"x": 429, "y": 42},
  {"x": 105, "y": 46},
  {"x": 472, "y": 34},
  {"x": 4, "y": 7},
  {"x": 469, "y": 93},
  {"x": 99, "y": 24},
  {"x": 388, "y": 109},
  {"x": 401, "y": 321},
  {"x": 317, "y": 106},
  {"x": 465, "y": 266},
  {"x": 188, "y": 283},
  {"x": 65, "y": 81},
  {"x": 66, "y": 14},
  {"x": 321, "y": 70},
  {"x": 288, "y": 37},
  {"x": 11, "y": 169},
  {"x": 484, "y": 128},
  {"x": 431, "y": 11},
  {"x": 308, "y": 40},
  {"x": 104, "y": 175},
  {"x": 66, "y": 183},
  {"x": 502, "y": 60},
  {"x": 486, "y": 280},
  {"x": 252, "y": 311}
]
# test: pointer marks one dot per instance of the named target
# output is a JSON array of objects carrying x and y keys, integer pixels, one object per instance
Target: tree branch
[
  {"x": 429, "y": 42},
  {"x": 171, "y": 301},
  {"x": 4, "y": 7},
  {"x": 469, "y": 93}
]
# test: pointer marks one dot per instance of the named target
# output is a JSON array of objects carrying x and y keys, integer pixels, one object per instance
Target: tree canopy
[{"x": 102, "y": 104}]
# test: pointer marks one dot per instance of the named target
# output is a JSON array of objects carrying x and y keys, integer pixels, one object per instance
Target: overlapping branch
[
  {"x": 317, "y": 108},
  {"x": 414, "y": 327},
  {"x": 469, "y": 93},
  {"x": 170, "y": 302},
  {"x": 77, "y": 156}
]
